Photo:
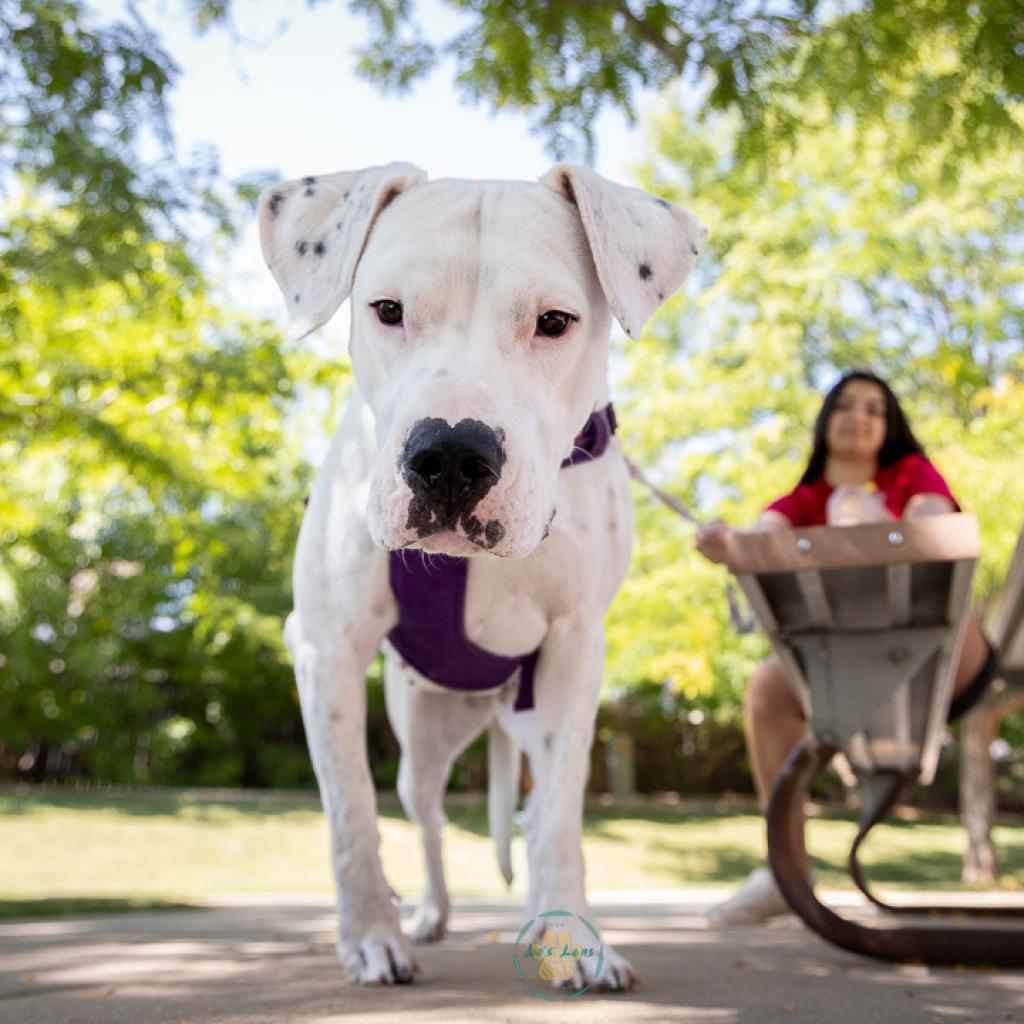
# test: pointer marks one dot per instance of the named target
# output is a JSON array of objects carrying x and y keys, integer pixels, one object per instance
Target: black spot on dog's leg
[
  {"x": 644, "y": 271},
  {"x": 298, "y": 298},
  {"x": 319, "y": 248},
  {"x": 301, "y": 247}
]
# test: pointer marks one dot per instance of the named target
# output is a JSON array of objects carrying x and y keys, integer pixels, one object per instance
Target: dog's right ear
[
  {"x": 314, "y": 230},
  {"x": 643, "y": 246}
]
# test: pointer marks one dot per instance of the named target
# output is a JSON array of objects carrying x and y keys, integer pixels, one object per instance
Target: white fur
[{"x": 474, "y": 264}]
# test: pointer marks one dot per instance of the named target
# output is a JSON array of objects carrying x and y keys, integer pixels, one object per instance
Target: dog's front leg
[
  {"x": 330, "y": 668},
  {"x": 567, "y": 689}
]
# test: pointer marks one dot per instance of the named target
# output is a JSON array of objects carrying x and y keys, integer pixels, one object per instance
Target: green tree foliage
[
  {"x": 151, "y": 490},
  {"x": 563, "y": 63},
  {"x": 857, "y": 250},
  {"x": 84, "y": 129}
]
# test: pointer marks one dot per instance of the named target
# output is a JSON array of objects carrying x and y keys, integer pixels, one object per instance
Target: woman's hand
[
  {"x": 928, "y": 505},
  {"x": 713, "y": 541}
]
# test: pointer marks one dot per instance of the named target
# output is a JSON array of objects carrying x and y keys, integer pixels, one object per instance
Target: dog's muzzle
[{"x": 449, "y": 469}]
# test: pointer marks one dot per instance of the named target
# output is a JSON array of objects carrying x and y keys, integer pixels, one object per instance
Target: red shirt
[{"x": 898, "y": 483}]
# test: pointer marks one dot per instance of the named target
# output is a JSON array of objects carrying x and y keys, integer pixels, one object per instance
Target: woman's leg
[
  {"x": 775, "y": 727},
  {"x": 973, "y": 655},
  {"x": 974, "y": 673}
]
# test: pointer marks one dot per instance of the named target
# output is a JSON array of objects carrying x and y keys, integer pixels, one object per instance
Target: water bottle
[{"x": 850, "y": 504}]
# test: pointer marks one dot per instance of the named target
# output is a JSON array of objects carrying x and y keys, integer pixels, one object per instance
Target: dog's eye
[
  {"x": 388, "y": 311},
  {"x": 554, "y": 323}
]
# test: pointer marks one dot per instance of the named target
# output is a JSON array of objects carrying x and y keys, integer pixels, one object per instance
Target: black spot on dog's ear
[
  {"x": 319, "y": 248},
  {"x": 276, "y": 199},
  {"x": 301, "y": 247},
  {"x": 644, "y": 271}
]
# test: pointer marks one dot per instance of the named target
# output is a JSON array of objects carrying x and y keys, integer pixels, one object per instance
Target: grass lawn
[{"x": 73, "y": 850}]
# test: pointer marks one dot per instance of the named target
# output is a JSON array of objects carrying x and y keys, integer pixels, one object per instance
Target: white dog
[{"x": 480, "y": 321}]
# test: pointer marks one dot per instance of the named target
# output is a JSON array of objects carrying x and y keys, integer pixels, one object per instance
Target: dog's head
[{"x": 480, "y": 320}]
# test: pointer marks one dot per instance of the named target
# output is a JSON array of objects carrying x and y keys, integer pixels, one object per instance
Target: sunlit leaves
[
  {"x": 154, "y": 478},
  {"x": 856, "y": 250},
  {"x": 955, "y": 66}
]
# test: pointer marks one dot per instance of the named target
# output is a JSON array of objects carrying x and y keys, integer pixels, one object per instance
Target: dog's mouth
[
  {"x": 445, "y": 542},
  {"x": 429, "y": 521}
]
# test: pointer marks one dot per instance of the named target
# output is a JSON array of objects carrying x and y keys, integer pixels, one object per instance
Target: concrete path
[{"x": 273, "y": 961}]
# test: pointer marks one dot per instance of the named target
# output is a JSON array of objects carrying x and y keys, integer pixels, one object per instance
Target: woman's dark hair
[{"x": 899, "y": 438}]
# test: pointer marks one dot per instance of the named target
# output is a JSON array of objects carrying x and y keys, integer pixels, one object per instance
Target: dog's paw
[
  {"x": 381, "y": 957},
  {"x": 430, "y": 924},
  {"x": 616, "y": 974}
]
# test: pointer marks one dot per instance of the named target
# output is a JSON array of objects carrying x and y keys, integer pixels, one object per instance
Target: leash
[{"x": 743, "y": 624}]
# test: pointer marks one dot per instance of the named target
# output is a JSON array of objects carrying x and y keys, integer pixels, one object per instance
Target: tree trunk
[
  {"x": 978, "y": 794},
  {"x": 978, "y": 783}
]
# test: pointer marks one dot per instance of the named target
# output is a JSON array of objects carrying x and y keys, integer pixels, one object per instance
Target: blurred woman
[{"x": 865, "y": 466}]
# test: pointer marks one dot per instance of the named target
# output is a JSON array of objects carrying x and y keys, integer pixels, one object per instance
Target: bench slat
[
  {"x": 897, "y": 579},
  {"x": 812, "y": 587},
  {"x": 945, "y": 538}
]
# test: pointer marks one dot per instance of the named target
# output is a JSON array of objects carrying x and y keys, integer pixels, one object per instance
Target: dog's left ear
[
  {"x": 643, "y": 246},
  {"x": 314, "y": 230}
]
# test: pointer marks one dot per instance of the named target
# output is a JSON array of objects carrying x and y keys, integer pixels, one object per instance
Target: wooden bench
[{"x": 869, "y": 621}]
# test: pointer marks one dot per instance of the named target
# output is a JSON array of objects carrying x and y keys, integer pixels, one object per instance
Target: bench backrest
[{"x": 868, "y": 620}]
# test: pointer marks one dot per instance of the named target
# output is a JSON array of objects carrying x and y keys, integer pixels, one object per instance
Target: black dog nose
[{"x": 452, "y": 468}]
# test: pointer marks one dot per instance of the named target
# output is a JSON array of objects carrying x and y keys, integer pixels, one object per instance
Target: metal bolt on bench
[{"x": 869, "y": 621}]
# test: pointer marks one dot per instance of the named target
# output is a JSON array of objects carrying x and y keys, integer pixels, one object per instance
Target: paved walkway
[{"x": 247, "y": 961}]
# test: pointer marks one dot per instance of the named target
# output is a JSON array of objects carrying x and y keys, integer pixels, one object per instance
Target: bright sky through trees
[{"x": 281, "y": 98}]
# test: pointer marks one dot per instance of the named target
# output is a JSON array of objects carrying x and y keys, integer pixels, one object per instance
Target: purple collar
[
  {"x": 431, "y": 595},
  {"x": 593, "y": 439}
]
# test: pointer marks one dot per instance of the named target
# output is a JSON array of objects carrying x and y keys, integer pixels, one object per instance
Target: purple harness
[{"x": 431, "y": 595}]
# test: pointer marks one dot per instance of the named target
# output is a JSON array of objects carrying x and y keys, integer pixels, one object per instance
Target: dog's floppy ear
[
  {"x": 643, "y": 246},
  {"x": 314, "y": 230}
]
